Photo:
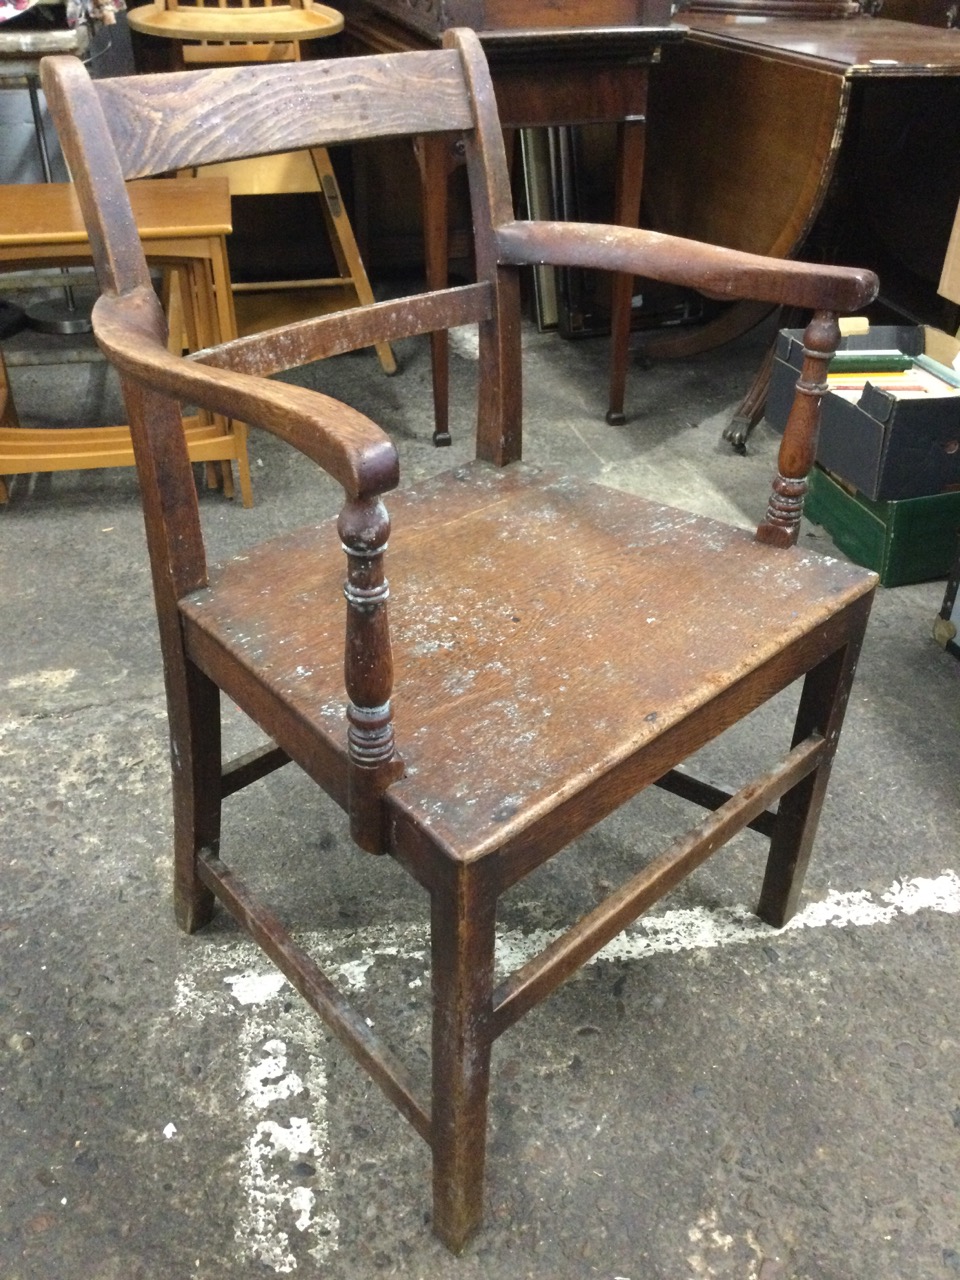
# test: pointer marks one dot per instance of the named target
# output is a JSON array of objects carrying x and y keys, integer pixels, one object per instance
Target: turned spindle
[
  {"x": 781, "y": 526},
  {"x": 364, "y": 527}
]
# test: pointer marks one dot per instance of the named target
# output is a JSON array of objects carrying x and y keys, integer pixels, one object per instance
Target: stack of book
[{"x": 900, "y": 375}]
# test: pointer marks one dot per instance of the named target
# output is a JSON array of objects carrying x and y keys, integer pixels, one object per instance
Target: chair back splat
[{"x": 601, "y": 640}]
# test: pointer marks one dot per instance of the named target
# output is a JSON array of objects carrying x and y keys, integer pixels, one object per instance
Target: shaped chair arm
[
  {"x": 131, "y": 331},
  {"x": 718, "y": 272}
]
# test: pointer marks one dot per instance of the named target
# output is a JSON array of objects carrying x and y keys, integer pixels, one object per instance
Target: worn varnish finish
[{"x": 553, "y": 646}]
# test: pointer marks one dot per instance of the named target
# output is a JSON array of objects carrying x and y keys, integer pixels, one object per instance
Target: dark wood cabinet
[{"x": 431, "y": 17}]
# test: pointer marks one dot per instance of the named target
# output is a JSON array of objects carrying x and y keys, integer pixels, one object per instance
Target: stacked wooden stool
[{"x": 183, "y": 223}]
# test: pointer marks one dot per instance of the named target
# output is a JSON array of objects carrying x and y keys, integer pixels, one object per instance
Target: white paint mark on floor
[
  {"x": 191, "y": 1001},
  {"x": 353, "y": 973},
  {"x": 269, "y": 1079},
  {"x": 43, "y": 681},
  {"x": 254, "y": 988},
  {"x": 284, "y": 1152},
  {"x": 712, "y": 1248},
  {"x": 697, "y": 929},
  {"x": 465, "y": 341},
  {"x": 286, "y": 1181}
]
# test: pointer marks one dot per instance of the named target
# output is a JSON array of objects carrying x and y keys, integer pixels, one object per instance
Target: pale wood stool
[{"x": 183, "y": 223}]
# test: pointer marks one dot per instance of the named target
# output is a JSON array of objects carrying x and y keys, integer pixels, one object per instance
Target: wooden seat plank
[{"x": 513, "y": 694}]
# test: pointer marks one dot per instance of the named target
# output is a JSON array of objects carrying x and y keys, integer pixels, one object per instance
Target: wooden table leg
[
  {"x": 433, "y": 155},
  {"x": 750, "y": 409},
  {"x": 631, "y": 135}
]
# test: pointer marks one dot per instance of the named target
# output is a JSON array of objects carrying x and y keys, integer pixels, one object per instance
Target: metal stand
[{"x": 54, "y": 316}]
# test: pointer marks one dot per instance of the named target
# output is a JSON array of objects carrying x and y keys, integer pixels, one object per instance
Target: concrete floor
[{"x": 709, "y": 1098}]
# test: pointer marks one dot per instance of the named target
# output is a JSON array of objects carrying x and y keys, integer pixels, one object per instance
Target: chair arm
[
  {"x": 720, "y": 273},
  {"x": 130, "y": 329}
]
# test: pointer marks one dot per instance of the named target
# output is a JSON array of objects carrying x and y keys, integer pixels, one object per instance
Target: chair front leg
[
  {"x": 463, "y": 918},
  {"x": 822, "y": 706},
  {"x": 197, "y": 792}
]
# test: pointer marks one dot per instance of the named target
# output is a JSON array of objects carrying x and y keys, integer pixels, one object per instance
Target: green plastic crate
[{"x": 909, "y": 540}]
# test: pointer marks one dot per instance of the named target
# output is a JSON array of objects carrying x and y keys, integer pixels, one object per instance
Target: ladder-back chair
[{"x": 554, "y": 646}]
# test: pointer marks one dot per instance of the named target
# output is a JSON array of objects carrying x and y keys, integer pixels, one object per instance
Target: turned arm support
[
  {"x": 131, "y": 330},
  {"x": 720, "y": 273},
  {"x": 364, "y": 527},
  {"x": 354, "y": 451},
  {"x": 798, "y": 448}
]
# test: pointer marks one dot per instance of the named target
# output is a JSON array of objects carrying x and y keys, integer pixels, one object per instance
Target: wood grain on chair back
[
  {"x": 185, "y": 119},
  {"x": 133, "y": 127},
  {"x": 137, "y": 126}
]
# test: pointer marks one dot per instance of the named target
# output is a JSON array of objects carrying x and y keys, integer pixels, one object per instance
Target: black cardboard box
[{"x": 886, "y": 448}]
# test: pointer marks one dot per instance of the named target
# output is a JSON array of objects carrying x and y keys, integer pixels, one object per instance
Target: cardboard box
[
  {"x": 906, "y": 541},
  {"x": 887, "y": 449},
  {"x": 949, "y": 286}
]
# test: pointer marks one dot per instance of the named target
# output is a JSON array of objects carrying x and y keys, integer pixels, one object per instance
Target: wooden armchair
[{"x": 554, "y": 646}]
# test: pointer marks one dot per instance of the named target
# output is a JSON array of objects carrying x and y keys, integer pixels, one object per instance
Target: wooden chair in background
[
  {"x": 554, "y": 646},
  {"x": 204, "y": 34}
]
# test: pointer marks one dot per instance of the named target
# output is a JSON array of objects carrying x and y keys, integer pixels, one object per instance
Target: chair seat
[{"x": 524, "y": 702}]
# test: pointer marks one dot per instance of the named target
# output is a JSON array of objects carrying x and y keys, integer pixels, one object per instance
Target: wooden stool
[
  {"x": 182, "y": 223},
  {"x": 202, "y": 35}
]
